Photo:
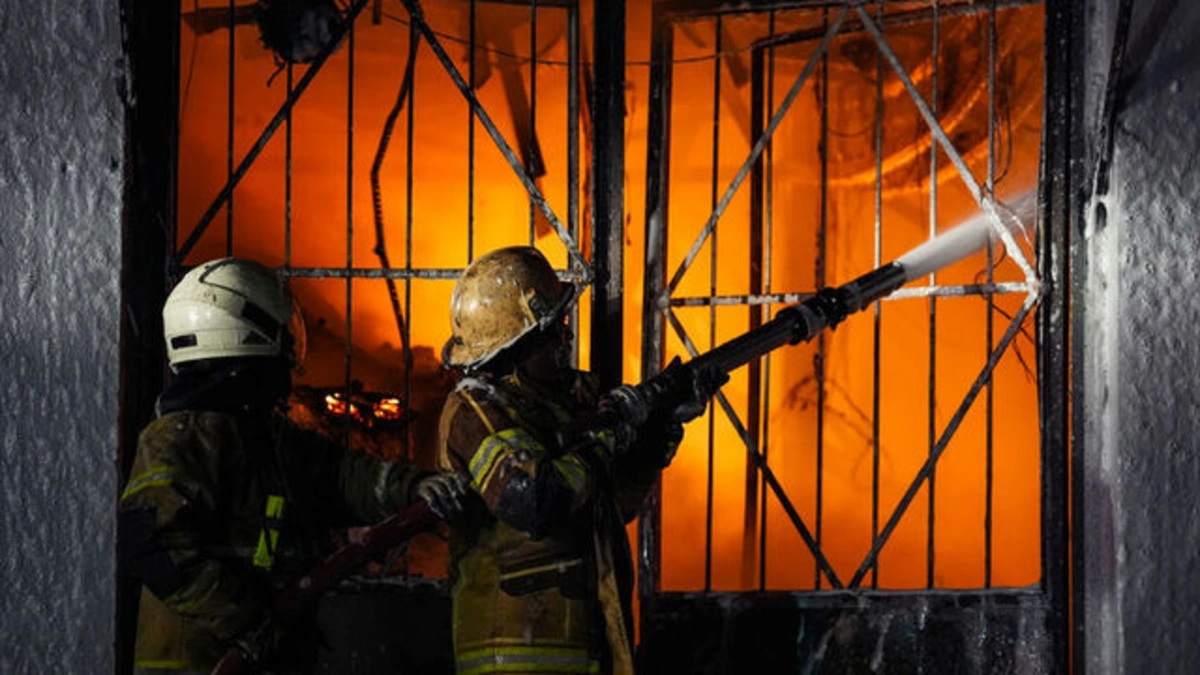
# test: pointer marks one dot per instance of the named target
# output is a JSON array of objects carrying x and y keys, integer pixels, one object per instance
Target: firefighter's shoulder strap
[{"x": 468, "y": 393}]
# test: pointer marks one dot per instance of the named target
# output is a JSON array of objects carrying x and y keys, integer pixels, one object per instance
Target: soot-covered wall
[
  {"x": 61, "y": 157},
  {"x": 1139, "y": 314}
]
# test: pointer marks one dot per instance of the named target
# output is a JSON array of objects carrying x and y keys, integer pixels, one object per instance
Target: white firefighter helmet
[
  {"x": 500, "y": 297},
  {"x": 230, "y": 308}
]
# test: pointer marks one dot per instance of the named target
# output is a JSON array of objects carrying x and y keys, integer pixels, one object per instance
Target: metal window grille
[
  {"x": 827, "y": 138},
  {"x": 755, "y": 96}
]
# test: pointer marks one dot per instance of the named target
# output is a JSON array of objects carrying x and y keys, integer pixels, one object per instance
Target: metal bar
[
  {"x": 985, "y": 202},
  {"x": 877, "y": 327},
  {"x": 1063, "y": 142},
  {"x": 688, "y": 9},
  {"x": 768, "y": 475},
  {"x": 658, "y": 154},
  {"x": 944, "y": 440},
  {"x": 991, "y": 304},
  {"x": 529, "y": 159},
  {"x": 573, "y": 148},
  {"x": 370, "y": 273},
  {"x": 349, "y": 355},
  {"x": 931, "y": 532},
  {"x": 251, "y": 155},
  {"x": 415, "y": 13},
  {"x": 448, "y": 273},
  {"x": 893, "y": 20},
  {"x": 409, "y": 178},
  {"x": 822, "y": 231},
  {"x": 756, "y": 151},
  {"x": 608, "y": 192},
  {"x": 754, "y": 368},
  {"x": 471, "y": 139},
  {"x": 958, "y": 291},
  {"x": 287, "y": 177},
  {"x": 229, "y": 122},
  {"x": 1002, "y": 288},
  {"x": 859, "y": 600},
  {"x": 712, "y": 309},
  {"x": 562, "y": 4},
  {"x": 768, "y": 224},
  {"x": 385, "y": 137},
  {"x": 738, "y": 300}
]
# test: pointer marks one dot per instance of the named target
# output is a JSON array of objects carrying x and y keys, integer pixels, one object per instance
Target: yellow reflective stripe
[
  {"x": 526, "y": 660},
  {"x": 268, "y": 538},
  {"x": 487, "y": 457},
  {"x": 487, "y": 454},
  {"x": 493, "y": 448},
  {"x": 155, "y": 476},
  {"x": 574, "y": 471},
  {"x": 607, "y": 438}
]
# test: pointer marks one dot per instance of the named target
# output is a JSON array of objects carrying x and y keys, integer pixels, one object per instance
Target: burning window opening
[
  {"x": 888, "y": 450},
  {"x": 303, "y": 201}
]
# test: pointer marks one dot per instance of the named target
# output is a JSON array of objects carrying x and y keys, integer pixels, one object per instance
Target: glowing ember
[
  {"x": 336, "y": 404},
  {"x": 389, "y": 409}
]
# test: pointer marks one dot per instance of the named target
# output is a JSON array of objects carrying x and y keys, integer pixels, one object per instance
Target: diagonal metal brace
[
  {"x": 760, "y": 463},
  {"x": 755, "y": 153},
  {"x": 944, "y": 441},
  {"x": 985, "y": 201},
  {"x": 284, "y": 111},
  {"x": 418, "y": 19}
]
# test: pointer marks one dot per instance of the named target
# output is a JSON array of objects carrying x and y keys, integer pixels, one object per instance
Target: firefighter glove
[
  {"x": 704, "y": 383},
  {"x": 444, "y": 492}
]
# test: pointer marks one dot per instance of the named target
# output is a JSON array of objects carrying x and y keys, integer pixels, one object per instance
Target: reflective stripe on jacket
[{"x": 217, "y": 512}]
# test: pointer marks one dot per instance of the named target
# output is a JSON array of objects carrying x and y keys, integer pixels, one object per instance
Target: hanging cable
[{"x": 376, "y": 193}]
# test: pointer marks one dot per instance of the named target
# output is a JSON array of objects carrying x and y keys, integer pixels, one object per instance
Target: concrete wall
[
  {"x": 61, "y": 156},
  {"x": 1140, "y": 313}
]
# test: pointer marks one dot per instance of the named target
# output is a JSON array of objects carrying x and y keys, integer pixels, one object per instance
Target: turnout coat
[
  {"x": 540, "y": 562},
  {"x": 221, "y": 510}
]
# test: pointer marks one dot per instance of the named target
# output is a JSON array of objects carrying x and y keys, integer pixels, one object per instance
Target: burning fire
[
  {"x": 388, "y": 409},
  {"x": 366, "y": 409},
  {"x": 326, "y": 151}
]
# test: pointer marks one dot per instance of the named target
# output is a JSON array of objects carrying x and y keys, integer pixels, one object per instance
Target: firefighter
[
  {"x": 227, "y": 500},
  {"x": 540, "y": 561}
]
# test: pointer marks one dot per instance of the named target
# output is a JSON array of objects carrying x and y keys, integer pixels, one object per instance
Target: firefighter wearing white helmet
[
  {"x": 227, "y": 501},
  {"x": 539, "y": 558},
  {"x": 232, "y": 308}
]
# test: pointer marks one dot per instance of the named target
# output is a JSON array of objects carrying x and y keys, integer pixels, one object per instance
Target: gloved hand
[
  {"x": 705, "y": 383},
  {"x": 616, "y": 434},
  {"x": 444, "y": 492},
  {"x": 660, "y": 440}
]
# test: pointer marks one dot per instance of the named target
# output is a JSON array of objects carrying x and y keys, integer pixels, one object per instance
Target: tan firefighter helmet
[{"x": 499, "y": 298}]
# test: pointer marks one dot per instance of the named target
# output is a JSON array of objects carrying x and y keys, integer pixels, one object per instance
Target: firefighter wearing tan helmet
[
  {"x": 227, "y": 501},
  {"x": 540, "y": 564}
]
